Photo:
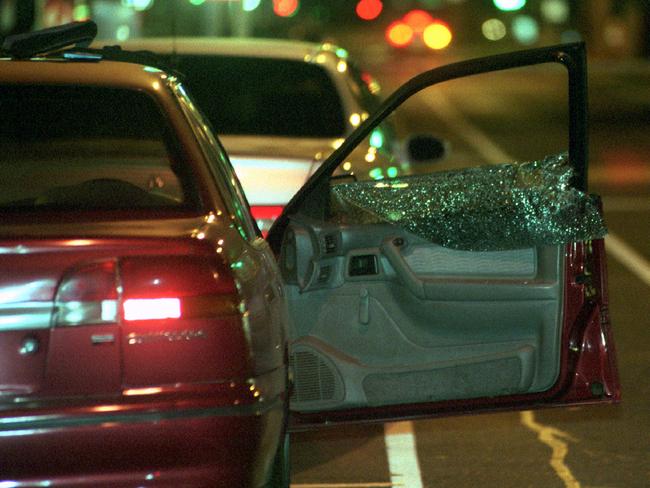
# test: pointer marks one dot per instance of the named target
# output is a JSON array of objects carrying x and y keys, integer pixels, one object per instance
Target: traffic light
[
  {"x": 421, "y": 26},
  {"x": 509, "y": 5},
  {"x": 286, "y": 8},
  {"x": 250, "y": 5},
  {"x": 369, "y": 9},
  {"x": 418, "y": 20},
  {"x": 437, "y": 35},
  {"x": 399, "y": 34}
]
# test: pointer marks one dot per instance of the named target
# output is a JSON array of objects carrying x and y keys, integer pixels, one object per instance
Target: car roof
[
  {"x": 97, "y": 73},
  {"x": 254, "y": 47}
]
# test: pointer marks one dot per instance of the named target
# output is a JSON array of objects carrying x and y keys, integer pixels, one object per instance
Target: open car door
[{"x": 420, "y": 287}]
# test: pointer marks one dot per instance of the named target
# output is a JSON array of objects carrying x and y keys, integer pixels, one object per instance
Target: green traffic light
[
  {"x": 250, "y": 5},
  {"x": 509, "y": 5}
]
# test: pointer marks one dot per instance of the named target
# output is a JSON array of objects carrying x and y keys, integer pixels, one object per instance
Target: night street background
[{"x": 584, "y": 447}]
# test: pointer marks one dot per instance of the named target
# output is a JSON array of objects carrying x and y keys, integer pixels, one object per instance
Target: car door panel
[
  {"x": 387, "y": 343},
  {"x": 466, "y": 289}
]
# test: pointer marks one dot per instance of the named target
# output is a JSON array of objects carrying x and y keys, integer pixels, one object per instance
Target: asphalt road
[{"x": 589, "y": 447}]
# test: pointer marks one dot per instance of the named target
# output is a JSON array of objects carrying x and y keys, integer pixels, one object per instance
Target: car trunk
[{"x": 65, "y": 325}]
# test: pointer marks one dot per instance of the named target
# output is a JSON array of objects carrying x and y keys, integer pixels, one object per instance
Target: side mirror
[{"x": 425, "y": 148}]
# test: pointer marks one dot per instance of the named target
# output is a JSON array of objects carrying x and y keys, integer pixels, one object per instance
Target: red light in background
[
  {"x": 369, "y": 9},
  {"x": 266, "y": 211},
  {"x": 418, "y": 20},
  {"x": 419, "y": 24},
  {"x": 265, "y": 215},
  {"x": 285, "y": 8},
  {"x": 399, "y": 34}
]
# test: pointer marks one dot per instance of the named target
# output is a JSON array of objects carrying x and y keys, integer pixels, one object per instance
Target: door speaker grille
[{"x": 316, "y": 379}]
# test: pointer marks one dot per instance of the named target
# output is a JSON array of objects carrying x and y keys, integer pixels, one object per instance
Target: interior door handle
[
  {"x": 304, "y": 283},
  {"x": 392, "y": 252}
]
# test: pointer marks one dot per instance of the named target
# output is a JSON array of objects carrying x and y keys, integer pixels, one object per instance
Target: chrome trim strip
[
  {"x": 25, "y": 316},
  {"x": 31, "y": 424}
]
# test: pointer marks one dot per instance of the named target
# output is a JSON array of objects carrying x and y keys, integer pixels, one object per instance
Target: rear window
[
  {"x": 87, "y": 148},
  {"x": 259, "y": 96}
]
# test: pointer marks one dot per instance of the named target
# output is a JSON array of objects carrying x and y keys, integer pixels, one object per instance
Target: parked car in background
[
  {"x": 280, "y": 107},
  {"x": 149, "y": 336}
]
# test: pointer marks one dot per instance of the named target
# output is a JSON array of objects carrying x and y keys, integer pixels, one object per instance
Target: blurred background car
[{"x": 279, "y": 107}]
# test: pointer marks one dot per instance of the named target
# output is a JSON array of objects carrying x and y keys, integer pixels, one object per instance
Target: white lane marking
[
  {"x": 553, "y": 437},
  {"x": 402, "y": 455},
  {"x": 627, "y": 256}
]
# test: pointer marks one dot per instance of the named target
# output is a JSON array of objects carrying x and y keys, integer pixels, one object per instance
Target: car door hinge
[{"x": 585, "y": 279}]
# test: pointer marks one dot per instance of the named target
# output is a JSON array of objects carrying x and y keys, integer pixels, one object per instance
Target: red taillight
[
  {"x": 151, "y": 320},
  {"x": 265, "y": 215},
  {"x": 148, "y": 288},
  {"x": 152, "y": 308}
]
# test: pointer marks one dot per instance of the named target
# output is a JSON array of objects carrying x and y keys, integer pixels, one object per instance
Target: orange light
[
  {"x": 418, "y": 20},
  {"x": 369, "y": 9},
  {"x": 152, "y": 308},
  {"x": 285, "y": 8},
  {"x": 398, "y": 34},
  {"x": 437, "y": 35}
]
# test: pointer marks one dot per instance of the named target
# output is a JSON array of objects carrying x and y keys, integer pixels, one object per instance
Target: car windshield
[
  {"x": 85, "y": 148},
  {"x": 260, "y": 96}
]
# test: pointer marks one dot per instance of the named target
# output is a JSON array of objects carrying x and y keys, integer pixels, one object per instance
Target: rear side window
[
  {"x": 87, "y": 148},
  {"x": 259, "y": 96}
]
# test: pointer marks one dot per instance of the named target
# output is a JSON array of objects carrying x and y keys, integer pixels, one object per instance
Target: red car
[{"x": 149, "y": 336}]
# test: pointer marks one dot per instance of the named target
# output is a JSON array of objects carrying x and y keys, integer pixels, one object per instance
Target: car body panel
[
  {"x": 123, "y": 395},
  {"x": 477, "y": 326}
]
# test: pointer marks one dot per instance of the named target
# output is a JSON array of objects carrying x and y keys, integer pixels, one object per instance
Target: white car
[{"x": 280, "y": 107}]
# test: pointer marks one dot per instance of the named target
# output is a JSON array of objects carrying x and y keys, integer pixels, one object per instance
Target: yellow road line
[{"x": 553, "y": 437}]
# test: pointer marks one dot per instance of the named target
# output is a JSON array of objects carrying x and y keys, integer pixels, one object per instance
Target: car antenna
[{"x": 29, "y": 44}]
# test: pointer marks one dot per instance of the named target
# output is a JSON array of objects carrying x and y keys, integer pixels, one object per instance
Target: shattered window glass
[
  {"x": 489, "y": 208},
  {"x": 472, "y": 170}
]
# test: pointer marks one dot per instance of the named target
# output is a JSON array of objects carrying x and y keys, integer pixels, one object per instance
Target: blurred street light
[
  {"x": 437, "y": 35},
  {"x": 286, "y": 8},
  {"x": 369, "y": 9},
  {"x": 399, "y": 34},
  {"x": 509, "y": 5}
]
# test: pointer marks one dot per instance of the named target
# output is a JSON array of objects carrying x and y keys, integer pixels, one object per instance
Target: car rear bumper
[{"x": 176, "y": 445}]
